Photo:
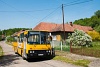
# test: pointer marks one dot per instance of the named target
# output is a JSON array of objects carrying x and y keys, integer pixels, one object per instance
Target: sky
[{"x": 29, "y": 13}]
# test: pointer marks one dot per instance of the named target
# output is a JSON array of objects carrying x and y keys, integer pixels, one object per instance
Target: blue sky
[{"x": 29, "y": 13}]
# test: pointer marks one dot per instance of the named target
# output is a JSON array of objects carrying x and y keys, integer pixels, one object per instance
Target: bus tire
[{"x": 16, "y": 52}]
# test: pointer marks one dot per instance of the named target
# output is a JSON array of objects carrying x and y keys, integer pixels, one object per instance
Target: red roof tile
[
  {"x": 52, "y": 27},
  {"x": 45, "y": 26}
]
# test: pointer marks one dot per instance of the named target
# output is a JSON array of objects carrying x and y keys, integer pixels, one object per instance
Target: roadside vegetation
[
  {"x": 62, "y": 56},
  {"x": 85, "y": 44},
  {"x": 93, "y": 21},
  {"x": 82, "y": 44},
  {"x": 9, "y": 43},
  {"x": 7, "y": 33},
  {"x": 93, "y": 51},
  {"x": 1, "y": 52}
]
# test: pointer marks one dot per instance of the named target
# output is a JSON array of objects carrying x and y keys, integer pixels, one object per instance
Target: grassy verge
[
  {"x": 90, "y": 51},
  {"x": 64, "y": 48},
  {"x": 9, "y": 43},
  {"x": 1, "y": 52},
  {"x": 83, "y": 63}
]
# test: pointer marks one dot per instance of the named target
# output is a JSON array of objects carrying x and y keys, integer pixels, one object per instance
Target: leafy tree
[
  {"x": 94, "y": 21},
  {"x": 97, "y": 28},
  {"x": 80, "y": 38},
  {"x": 97, "y": 13},
  {"x": 9, "y": 32}
]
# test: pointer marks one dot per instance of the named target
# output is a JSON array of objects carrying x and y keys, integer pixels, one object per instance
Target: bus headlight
[
  {"x": 31, "y": 51},
  {"x": 48, "y": 51}
]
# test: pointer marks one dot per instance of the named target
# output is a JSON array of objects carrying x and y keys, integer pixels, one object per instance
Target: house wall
[{"x": 60, "y": 35}]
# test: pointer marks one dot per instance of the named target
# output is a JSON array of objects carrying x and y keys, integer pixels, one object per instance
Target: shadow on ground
[
  {"x": 38, "y": 59},
  {"x": 7, "y": 60}
]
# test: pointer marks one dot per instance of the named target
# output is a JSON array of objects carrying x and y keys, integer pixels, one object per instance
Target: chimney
[{"x": 71, "y": 23}]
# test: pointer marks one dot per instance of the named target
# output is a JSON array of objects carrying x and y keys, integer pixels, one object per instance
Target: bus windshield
[
  {"x": 34, "y": 39},
  {"x": 38, "y": 38}
]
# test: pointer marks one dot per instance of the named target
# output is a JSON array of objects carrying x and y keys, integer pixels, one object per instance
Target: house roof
[
  {"x": 52, "y": 27},
  {"x": 45, "y": 26}
]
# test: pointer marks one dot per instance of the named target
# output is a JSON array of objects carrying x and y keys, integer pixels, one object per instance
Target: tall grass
[
  {"x": 89, "y": 51},
  {"x": 1, "y": 52}
]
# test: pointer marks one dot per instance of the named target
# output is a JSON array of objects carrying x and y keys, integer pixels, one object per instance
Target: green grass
[
  {"x": 88, "y": 51},
  {"x": 83, "y": 63},
  {"x": 9, "y": 43},
  {"x": 1, "y": 52},
  {"x": 64, "y": 48},
  {"x": 96, "y": 45}
]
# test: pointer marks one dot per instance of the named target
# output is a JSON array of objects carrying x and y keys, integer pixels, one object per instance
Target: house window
[{"x": 54, "y": 37}]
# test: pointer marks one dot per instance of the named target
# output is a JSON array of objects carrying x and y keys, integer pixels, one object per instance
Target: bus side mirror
[{"x": 50, "y": 38}]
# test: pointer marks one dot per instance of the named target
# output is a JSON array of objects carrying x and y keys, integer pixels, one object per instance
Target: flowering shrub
[
  {"x": 80, "y": 38},
  {"x": 95, "y": 35}
]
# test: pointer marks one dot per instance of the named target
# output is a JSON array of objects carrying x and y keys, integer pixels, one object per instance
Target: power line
[
  {"x": 22, "y": 11},
  {"x": 29, "y": 10},
  {"x": 65, "y": 6},
  {"x": 49, "y": 14},
  {"x": 14, "y": 8},
  {"x": 73, "y": 1},
  {"x": 8, "y": 4},
  {"x": 68, "y": 4},
  {"x": 76, "y": 3}
]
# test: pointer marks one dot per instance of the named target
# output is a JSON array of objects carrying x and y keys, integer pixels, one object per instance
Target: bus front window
[{"x": 33, "y": 39}]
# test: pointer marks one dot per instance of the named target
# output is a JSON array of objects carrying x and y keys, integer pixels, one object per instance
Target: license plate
[{"x": 40, "y": 54}]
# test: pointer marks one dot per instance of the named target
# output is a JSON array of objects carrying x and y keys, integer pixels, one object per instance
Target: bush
[
  {"x": 80, "y": 38},
  {"x": 0, "y": 38},
  {"x": 10, "y": 39},
  {"x": 95, "y": 35}
]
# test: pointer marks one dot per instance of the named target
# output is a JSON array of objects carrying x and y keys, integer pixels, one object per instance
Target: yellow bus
[
  {"x": 32, "y": 44},
  {"x": 15, "y": 43}
]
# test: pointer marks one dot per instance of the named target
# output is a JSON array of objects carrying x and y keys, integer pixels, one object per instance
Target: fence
[
  {"x": 93, "y": 50},
  {"x": 59, "y": 45}
]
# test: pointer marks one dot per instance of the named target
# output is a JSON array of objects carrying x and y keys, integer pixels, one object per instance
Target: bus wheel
[{"x": 16, "y": 52}]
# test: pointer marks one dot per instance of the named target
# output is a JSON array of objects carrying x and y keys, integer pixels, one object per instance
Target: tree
[
  {"x": 97, "y": 28},
  {"x": 97, "y": 13},
  {"x": 80, "y": 38},
  {"x": 94, "y": 21}
]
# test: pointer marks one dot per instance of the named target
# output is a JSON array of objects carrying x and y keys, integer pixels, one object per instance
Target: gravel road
[{"x": 12, "y": 60}]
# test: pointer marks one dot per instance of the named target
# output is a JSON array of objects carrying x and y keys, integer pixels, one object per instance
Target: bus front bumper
[{"x": 39, "y": 53}]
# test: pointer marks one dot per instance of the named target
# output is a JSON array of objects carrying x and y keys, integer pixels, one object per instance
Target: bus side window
[
  {"x": 20, "y": 40},
  {"x": 43, "y": 39}
]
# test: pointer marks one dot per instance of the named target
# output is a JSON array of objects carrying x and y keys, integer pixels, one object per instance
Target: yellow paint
[
  {"x": 58, "y": 37},
  {"x": 38, "y": 47},
  {"x": 19, "y": 47},
  {"x": 14, "y": 45}
]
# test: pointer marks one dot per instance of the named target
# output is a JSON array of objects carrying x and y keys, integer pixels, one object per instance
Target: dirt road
[{"x": 12, "y": 60}]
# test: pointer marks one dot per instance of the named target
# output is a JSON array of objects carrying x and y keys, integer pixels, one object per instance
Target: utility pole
[{"x": 63, "y": 21}]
